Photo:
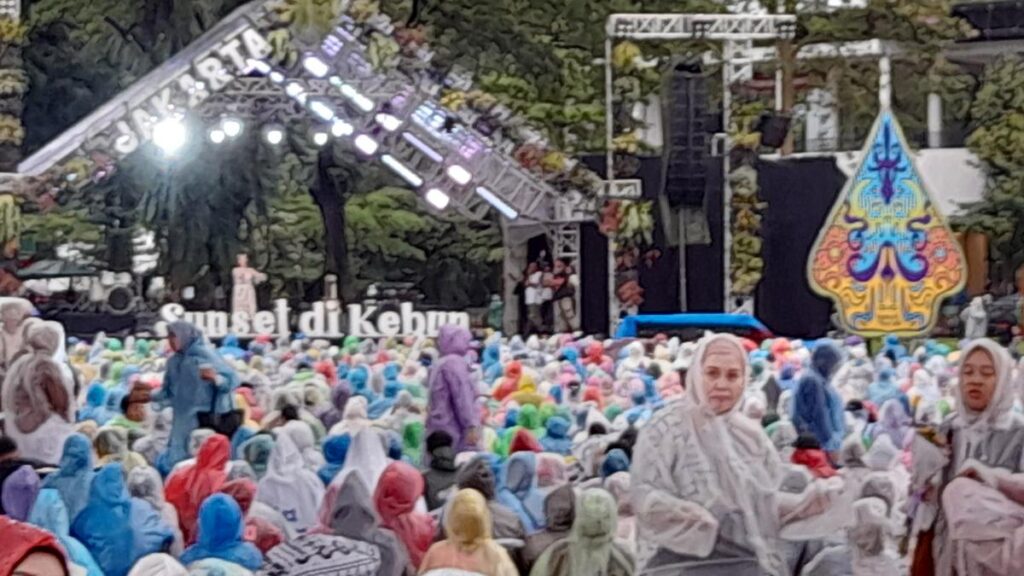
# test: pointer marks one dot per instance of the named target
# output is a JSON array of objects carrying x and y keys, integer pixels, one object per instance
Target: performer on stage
[{"x": 245, "y": 278}]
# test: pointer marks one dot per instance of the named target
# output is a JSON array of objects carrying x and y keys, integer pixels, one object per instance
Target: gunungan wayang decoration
[{"x": 885, "y": 255}]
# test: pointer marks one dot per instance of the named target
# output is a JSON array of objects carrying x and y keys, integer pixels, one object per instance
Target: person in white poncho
[
  {"x": 291, "y": 488},
  {"x": 706, "y": 478}
]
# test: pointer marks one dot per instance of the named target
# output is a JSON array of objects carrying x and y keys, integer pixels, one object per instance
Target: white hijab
[
  {"x": 998, "y": 415},
  {"x": 289, "y": 487},
  {"x": 366, "y": 458}
]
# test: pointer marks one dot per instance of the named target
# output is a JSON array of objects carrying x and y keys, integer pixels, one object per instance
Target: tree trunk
[{"x": 331, "y": 195}]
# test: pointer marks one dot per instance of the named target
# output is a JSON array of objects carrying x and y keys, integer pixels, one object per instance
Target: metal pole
[
  {"x": 609, "y": 126},
  {"x": 727, "y": 53}
]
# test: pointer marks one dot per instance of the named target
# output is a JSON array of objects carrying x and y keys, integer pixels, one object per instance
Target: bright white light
[
  {"x": 276, "y": 77},
  {"x": 293, "y": 89},
  {"x": 402, "y": 170},
  {"x": 437, "y": 198},
  {"x": 388, "y": 122},
  {"x": 316, "y": 66},
  {"x": 499, "y": 205},
  {"x": 321, "y": 109},
  {"x": 258, "y": 66},
  {"x": 341, "y": 128},
  {"x": 365, "y": 144},
  {"x": 422, "y": 147},
  {"x": 336, "y": 81},
  {"x": 217, "y": 136},
  {"x": 320, "y": 138},
  {"x": 170, "y": 135},
  {"x": 232, "y": 127},
  {"x": 274, "y": 136},
  {"x": 460, "y": 175},
  {"x": 357, "y": 98}
]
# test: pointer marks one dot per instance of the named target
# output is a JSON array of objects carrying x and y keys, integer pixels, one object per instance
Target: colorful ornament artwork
[{"x": 885, "y": 255}]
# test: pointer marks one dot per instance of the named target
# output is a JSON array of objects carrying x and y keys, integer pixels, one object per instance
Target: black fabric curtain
[
  {"x": 704, "y": 280},
  {"x": 593, "y": 279},
  {"x": 800, "y": 193}
]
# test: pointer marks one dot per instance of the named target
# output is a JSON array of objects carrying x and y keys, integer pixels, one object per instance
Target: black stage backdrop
[
  {"x": 593, "y": 279},
  {"x": 704, "y": 280},
  {"x": 800, "y": 193}
]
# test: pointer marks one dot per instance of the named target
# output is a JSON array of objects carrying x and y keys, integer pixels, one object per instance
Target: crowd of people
[{"x": 501, "y": 456}]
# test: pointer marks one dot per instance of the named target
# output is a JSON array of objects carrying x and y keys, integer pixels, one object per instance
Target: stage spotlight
[
  {"x": 366, "y": 145},
  {"x": 341, "y": 128},
  {"x": 320, "y": 138},
  {"x": 402, "y": 170},
  {"x": 322, "y": 110},
  {"x": 170, "y": 135},
  {"x": 422, "y": 147},
  {"x": 460, "y": 175},
  {"x": 293, "y": 89},
  {"x": 388, "y": 122},
  {"x": 498, "y": 204},
  {"x": 274, "y": 135},
  {"x": 276, "y": 77},
  {"x": 437, "y": 198},
  {"x": 315, "y": 66},
  {"x": 217, "y": 136},
  {"x": 232, "y": 127},
  {"x": 357, "y": 98}
]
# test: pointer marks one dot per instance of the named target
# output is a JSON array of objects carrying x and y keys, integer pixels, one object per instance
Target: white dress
[{"x": 243, "y": 293}]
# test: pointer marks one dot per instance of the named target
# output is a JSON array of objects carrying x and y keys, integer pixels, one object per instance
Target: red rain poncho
[
  {"x": 188, "y": 487},
  {"x": 399, "y": 488},
  {"x": 20, "y": 539},
  {"x": 816, "y": 461},
  {"x": 524, "y": 441}
]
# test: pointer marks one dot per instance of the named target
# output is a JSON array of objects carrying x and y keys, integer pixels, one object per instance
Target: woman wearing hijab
[
  {"x": 259, "y": 531},
  {"x": 347, "y": 511},
  {"x": 50, "y": 514},
  {"x": 591, "y": 549},
  {"x": 452, "y": 405},
  {"x": 469, "y": 546},
  {"x": 399, "y": 488},
  {"x": 340, "y": 395},
  {"x": 19, "y": 493},
  {"x": 705, "y": 476},
  {"x": 440, "y": 475},
  {"x": 220, "y": 535},
  {"x": 196, "y": 380},
  {"x": 145, "y": 484},
  {"x": 560, "y": 513},
  {"x": 29, "y": 551},
  {"x": 188, "y": 487},
  {"x": 38, "y": 396},
  {"x": 116, "y": 529},
  {"x": 289, "y": 487},
  {"x": 971, "y": 520},
  {"x": 335, "y": 451},
  {"x": 74, "y": 476}
]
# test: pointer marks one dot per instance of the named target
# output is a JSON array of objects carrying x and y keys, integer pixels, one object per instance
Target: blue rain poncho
[
  {"x": 116, "y": 528},
  {"x": 885, "y": 388},
  {"x": 382, "y": 405},
  {"x": 242, "y": 435},
  {"x": 49, "y": 513},
  {"x": 94, "y": 409},
  {"x": 518, "y": 491},
  {"x": 557, "y": 438},
  {"x": 817, "y": 406},
  {"x": 187, "y": 393},
  {"x": 572, "y": 356},
  {"x": 74, "y": 476},
  {"x": 335, "y": 450},
  {"x": 359, "y": 383},
  {"x": 220, "y": 535}
]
